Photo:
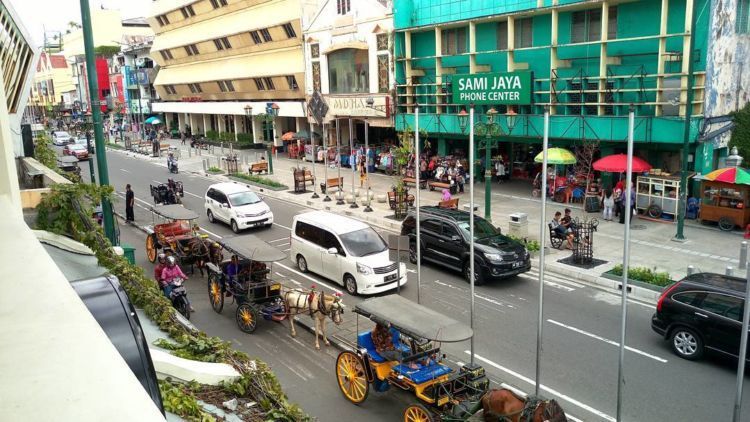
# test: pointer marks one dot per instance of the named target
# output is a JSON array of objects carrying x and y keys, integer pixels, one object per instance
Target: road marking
[
  {"x": 211, "y": 233},
  {"x": 126, "y": 171},
  {"x": 279, "y": 240},
  {"x": 309, "y": 278},
  {"x": 279, "y": 274},
  {"x": 614, "y": 343},
  {"x": 192, "y": 194},
  {"x": 295, "y": 282},
  {"x": 544, "y": 387},
  {"x": 282, "y": 226},
  {"x": 286, "y": 250}
]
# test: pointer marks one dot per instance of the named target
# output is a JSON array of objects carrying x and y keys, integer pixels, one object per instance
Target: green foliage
[
  {"x": 531, "y": 245},
  {"x": 114, "y": 145},
  {"x": 215, "y": 170},
  {"x": 645, "y": 274},
  {"x": 106, "y": 51},
  {"x": 212, "y": 134},
  {"x": 260, "y": 180},
  {"x": 44, "y": 153},
  {"x": 245, "y": 137},
  {"x": 741, "y": 132},
  {"x": 178, "y": 399},
  {"x": 226, "y": 137}
]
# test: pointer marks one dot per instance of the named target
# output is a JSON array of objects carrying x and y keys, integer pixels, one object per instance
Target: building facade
[
  {"x": 348, "y": 59},
  {"x": 220, "y": 59},
  {"x": 53, "y": 85},
  {"x": 136, "y": 71},
  {"x": 588, "y": 61}
]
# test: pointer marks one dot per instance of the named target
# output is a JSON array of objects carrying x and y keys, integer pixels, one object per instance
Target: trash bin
[
  {"x": 518, "y": 226},
  {"x": 129, "y": 252}
]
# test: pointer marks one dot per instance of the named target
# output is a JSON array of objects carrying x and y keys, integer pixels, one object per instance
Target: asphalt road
[{"x": 581, "y": 330}]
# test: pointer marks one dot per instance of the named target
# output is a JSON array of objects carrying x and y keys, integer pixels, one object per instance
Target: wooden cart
[{"x": 725, "y": 204}]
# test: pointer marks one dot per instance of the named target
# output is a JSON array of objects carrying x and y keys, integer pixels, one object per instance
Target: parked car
[
  {"x": 344, "y": 250},
  {"x": 77, "y": 150},
  {"x": 701, "y": 312},
  {"x": 445, "y": 241},
  {"x": 236, "y": 205},
  {"x": 61, "y": 137},
  {"x": 83, "y": 141}
]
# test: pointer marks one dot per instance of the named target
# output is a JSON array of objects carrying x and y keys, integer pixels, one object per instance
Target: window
[
  {"x": 292, "y": 81},
  {"x": 586, "y": 25},
  {"x": 166, "y": 55},
  {"x": 449, "y": 230},
  {"x": 454, "y": 41},
  {"x": 431, "y": 226},
  {"x": 269, "y": 84},
  {"x": 502, "y": 35},
  {"x": 724, "y": 305},
  {"x": 218, "y": 3},
  {"x": 222, "y": 44},
  {"x": 187, "y": 11},
  {"x": 163, "y": 20},
  {"x": 592, "y": 97},
  {"x": 523, "y": 37},
  {"x": 259, "y": 84},
  {"x": 195, "y": 88},
  {"x": 348, "y": 71},
  {"x": 383, "y": 72},
  {"x": 574, "y": 96},
  {"x": 289, "y": 30},
  {"x": 382, "y": 41},
  {"x": 742, "y": 25},
  {"x": 316, "y": 76},
  {"x": 225, "y": 86},
  {"x": 309, "y": 232},
  {"x": 170, "y": 89},
  {"x": 688, "y": 298},
  {"x": 314, "y": 51},
  {"x": 256, "y": 37},
  {"x": 343, "y": 7},
  {"x": 266, "y": 35},
  {"x": 191, "y": 49},
  {"x": 363, "y": 242}
]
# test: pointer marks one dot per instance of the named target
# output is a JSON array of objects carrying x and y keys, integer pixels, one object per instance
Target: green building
[{"x": 588, "y": 61}]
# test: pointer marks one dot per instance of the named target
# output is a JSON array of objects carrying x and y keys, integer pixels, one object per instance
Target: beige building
[
  {"x": 217, "y": 57},
  {"x": 53, "y": 83}
]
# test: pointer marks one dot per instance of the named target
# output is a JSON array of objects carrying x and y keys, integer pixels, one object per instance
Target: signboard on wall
[
  {"x": 356, "y": 105},
  {"x": 492, "y": 88}
]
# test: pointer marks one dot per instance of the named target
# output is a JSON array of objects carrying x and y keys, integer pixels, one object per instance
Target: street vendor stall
[
  {"x": 724, "y": 198},
  {"x": 657, "y": 194}
]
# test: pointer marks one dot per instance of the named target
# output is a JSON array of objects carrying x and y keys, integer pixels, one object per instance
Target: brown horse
[
  {"x": 316, "y": 304},
  {"x": 504, "y": 405}
]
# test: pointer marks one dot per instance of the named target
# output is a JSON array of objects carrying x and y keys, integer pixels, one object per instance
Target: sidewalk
[{"x": 706, "y": 248}]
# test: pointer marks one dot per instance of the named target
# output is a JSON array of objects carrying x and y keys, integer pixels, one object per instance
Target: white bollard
[
  {"x": 690, "y": 270},
  {"x": 743, "y": 255},
  {"x": 729, "y": 271}
]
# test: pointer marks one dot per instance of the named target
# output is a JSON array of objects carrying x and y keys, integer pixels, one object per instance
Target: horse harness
[
  {"x": 308, "y": 299},
  {"x": 526, "y": 414}
]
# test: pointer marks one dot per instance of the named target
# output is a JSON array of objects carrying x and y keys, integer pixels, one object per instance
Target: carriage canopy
[
  {"x": 253, "y": 248},
  {"x": 413, "y": 319},
  {"x": 174, "y": 212}
]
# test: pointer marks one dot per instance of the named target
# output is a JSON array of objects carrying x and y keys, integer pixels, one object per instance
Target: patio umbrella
[
  {"x": 618, "y": 163},
  {"x": 289, "y": 136},
  {"x": 556, "y": 156},
  {"x": 735, "y": 175},
  {"x": 153, "y": 121},
  {"x": 303, "y": 134}
]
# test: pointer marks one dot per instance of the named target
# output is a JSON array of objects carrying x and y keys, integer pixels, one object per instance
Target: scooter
[
  {"x": 172, "y": 165},
  {"x": 179, "y": 299}
]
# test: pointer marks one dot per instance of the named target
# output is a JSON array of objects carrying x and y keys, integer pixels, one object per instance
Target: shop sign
[
  {"x": 191, "y": 99},
  {"x": 492, "y": 88},
  {"x": 357, "y": 106}
]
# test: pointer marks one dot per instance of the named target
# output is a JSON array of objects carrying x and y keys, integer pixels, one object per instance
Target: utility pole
[
  {"x": 682, "y": 207},
  {"x": 141, "y": 126},
  {"x": 96, "y": 112}
]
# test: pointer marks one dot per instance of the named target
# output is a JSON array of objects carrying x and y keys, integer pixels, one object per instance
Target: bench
[
  {"x": 301, "y": 179},
  {"x": 555, "y": 238},
  {"x": 332, "y": 183},
  {"x": 412, "y": 181},
  {"x": 364, "y": 339},
  {"x": 451, "y": 203},
  {"x": 173, "y": 229},
  {"x": 441, "y": 185},
  {"x": 392, "y": 199},
  {"x": 258, "y": 167}
]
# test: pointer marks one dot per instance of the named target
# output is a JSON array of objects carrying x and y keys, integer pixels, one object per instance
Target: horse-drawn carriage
[
  {"x": 175, "y": 233},
  {"x": 167, "y": 193},
  {"x": 247, "y": 281},
  {"x": 444, "y": 393}
]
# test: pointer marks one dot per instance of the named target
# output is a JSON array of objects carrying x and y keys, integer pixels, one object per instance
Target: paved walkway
[{"x": 706, "y": 247}]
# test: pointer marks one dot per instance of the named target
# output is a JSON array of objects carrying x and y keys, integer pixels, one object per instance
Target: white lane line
[
  {"x": 286, "y": 250},
  {"x": 608, "y": 341},
  {"x": 192, "y": 194},
  {"x": 309, "y": 278},
  {"x": 295, "y": 282},
  {"x": 126, "y": 171},
  {"x": 544, "y": 387},
  {"x": 286, "y": 239},
  {"x": 279, "y": 274},
  {"x": 211, "y": 233},
  {"x": 282, "y": 226}
]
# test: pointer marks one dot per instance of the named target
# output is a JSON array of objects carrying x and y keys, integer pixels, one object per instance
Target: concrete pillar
[
  {"x": 205, "y": 123},
  {"x": 220, "y": 125},
  {"x": 257, "y": 130},
  {"x": 181, "y": 122},
  {"x": 236, "y": 126}
]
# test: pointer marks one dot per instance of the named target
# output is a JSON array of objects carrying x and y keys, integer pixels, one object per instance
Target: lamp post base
[
  {"x": 327, "y": 199},
  {"x": 367, "y": 208},
  {"x": 315, "y": 195},
  {"x": 354, "y": 204}
]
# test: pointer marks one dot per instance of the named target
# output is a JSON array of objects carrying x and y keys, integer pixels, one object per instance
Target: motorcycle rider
[
  {"x": 161, "y": 264},
  {"x": 171, "y": 161},
  {"x": 169, "y": 273}
]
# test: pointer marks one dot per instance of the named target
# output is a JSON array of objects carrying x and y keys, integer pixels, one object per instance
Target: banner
[{"x": 492, "y": 88}]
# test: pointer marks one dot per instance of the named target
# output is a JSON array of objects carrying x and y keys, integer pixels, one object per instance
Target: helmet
[
  {"x": 162, "y": 257},
  {"x": 170, "y": 261}
]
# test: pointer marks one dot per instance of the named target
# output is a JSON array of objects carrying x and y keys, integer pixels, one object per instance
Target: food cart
[
  {"x": 724, "y": 203},
  {"x": 657, "y": 194}
]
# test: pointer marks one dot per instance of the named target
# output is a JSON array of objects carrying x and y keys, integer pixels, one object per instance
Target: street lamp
[
  {"x": 272, "y": 111},
  {"x": 89, "y": 123}
]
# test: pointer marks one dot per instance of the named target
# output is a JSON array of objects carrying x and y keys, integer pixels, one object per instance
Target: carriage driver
[{"x": 382, "y": 338}]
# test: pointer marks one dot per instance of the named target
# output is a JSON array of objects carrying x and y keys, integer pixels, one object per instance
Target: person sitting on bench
[
  {"x": 382, "y": 339},
  {"x": 567, "y": 221},
  {"x": 561, "y": 230}
]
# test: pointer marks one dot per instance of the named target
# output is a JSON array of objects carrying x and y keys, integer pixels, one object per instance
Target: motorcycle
[
  {"x": 172, "y": 165},
  {"x": 178, "y": 296}
]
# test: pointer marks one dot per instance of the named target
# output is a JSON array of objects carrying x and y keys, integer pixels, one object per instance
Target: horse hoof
[
  {"x": 294, "y": 334},
  {"x": 317, "y": 346},
  {"x": 328, "y": 343}
]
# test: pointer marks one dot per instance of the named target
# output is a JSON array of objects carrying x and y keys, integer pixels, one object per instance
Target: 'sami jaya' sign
[{"x": 492, "y": 88}]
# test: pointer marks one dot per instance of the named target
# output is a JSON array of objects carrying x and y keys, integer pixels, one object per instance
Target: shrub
[
  {"x": 531, "y": 245},
  {"x": 645, "y": 274},
  {"x": 214, "y": 169},
  {"x": 226, "y": 137},
  {"x": 260, "y": 180},
  {"x": 245, "y": 137},
  {"x": 212, "y": 134}
]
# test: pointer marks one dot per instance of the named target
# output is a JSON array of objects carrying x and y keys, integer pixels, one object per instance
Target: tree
[
  {"x": 741, "y": 132},
  {"x": 106, "y": 51}
]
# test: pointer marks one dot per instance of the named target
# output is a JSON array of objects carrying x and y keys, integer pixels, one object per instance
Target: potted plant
[{"x": 401, "y": 158}]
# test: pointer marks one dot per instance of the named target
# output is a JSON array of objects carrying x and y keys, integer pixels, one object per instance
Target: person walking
[
  {"x": 619, "y": 198},
  {"x": 129, "y": 204},
  {"x": 608, "y": 204}
]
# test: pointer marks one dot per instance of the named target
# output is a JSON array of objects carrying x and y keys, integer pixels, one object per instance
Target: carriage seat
[
  {"x": 175, "y": 228},
  {"x": 423, "y": 373},
  {"x": 364, "y": 339}
]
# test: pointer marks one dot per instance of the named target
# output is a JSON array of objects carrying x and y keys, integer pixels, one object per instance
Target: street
[{"x": 581, "y": 329}]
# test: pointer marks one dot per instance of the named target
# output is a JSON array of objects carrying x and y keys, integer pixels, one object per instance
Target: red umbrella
[{"x": 618, "y": 163}]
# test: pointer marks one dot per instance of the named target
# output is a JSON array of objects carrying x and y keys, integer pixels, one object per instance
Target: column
[
  {"x": 603, "y": 59},
  {"x": 181, "y": 122},
  {"x": 258, "y": 132},
  {"x": 660, "y": 57},
  {"x": 220, "y": 125},
  {"x": 686, "y": 109},
  {"x": 236, "y": 127}
]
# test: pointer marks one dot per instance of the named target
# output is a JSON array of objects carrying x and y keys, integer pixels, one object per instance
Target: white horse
[{"x": 316, "y": 304}]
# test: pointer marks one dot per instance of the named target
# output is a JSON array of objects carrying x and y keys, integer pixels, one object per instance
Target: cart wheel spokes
[
  {"x": 726, "y": 224},
  {"x": 417, "y": 413},
  {"x": 247, "y": 318},
  {"x": 215, "y": 293},
  {"x": 151, "y": 247},
  {"x": 350, "y": 373}
]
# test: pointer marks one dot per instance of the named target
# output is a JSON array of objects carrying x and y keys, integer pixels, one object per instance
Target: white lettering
[{"x": 461, "y": 84}]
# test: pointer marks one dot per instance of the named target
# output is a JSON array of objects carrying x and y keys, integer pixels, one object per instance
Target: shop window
[
  {"x": 289, "y": 30},
  {"x": 343, "y": 6},
  {"x": 502, "y": 35},
  {"x": 266, "y": 35},
  {"x": 187, "y": 11},
  {"x": 383, "y": 73},
  {"x": 574, "y": 97},
  {"x": 256, "y": 37},
  {"x": 523, "y": 33},
  {"x": 592, "y": 97},
  {"x": 382, "y": 41},
  {"x": 292, "y": 82},
  {"x": 586, "y": 25},
  {"x": 453, "y": 41},
  {"x": 192, "y": 50},
  {"x": 314, "y": 51},
  {"x": 348, "y": 71},
  {"x": 316, "y": 76},
  {"x": 195, "y": 88},
  {"x": 743, "y": 17},
  {"x": 259, "y": 84},
  {"x": 269, "y": 84},
  {"x": 170, "y": 89}
]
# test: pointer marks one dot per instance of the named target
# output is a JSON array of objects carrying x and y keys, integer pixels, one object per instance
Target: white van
[
  {"x": 344, "y": 250},
  {"x": 236, "y": 205}
]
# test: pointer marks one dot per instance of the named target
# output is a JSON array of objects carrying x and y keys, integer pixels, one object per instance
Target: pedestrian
[
  {"x": 129, "y": 204},
  {"x": 362, "y": 173},
  {"x": 423, "y": 169},
  {"x": 460, "y": 177},
  {"x": 618, "y": 196},
  {"x": 608, "y": 204},
  {"x": 499, "y": 170}
]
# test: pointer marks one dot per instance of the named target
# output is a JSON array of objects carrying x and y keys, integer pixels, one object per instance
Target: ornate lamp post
[
  {"x": 249, "y": 115},
  {"x": 272, "y": 111}
]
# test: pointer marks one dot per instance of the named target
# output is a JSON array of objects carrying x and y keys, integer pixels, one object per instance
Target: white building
[{"x": 349, "y": 59}]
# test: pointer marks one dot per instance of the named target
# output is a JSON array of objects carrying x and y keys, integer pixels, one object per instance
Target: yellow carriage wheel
[
  {"x": 350, "y": 373},
  {"x": 247, "y": 318},
  {"x": 417, "y": 413},
  {"x": 151, "y": 247},
  {"x": 215, "y": 294}
]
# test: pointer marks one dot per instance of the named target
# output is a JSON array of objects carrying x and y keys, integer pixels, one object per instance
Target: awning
[
  {"x": 237, "y": 108},
  {"x": 253, "y": 248}
]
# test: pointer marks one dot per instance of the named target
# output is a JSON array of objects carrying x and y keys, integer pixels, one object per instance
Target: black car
[
  {"x": 445, "y": 241},
  {"x": 702, "y": 311}
]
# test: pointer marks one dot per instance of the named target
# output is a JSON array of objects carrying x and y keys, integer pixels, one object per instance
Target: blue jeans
[{"x": 168, "y": 291}]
